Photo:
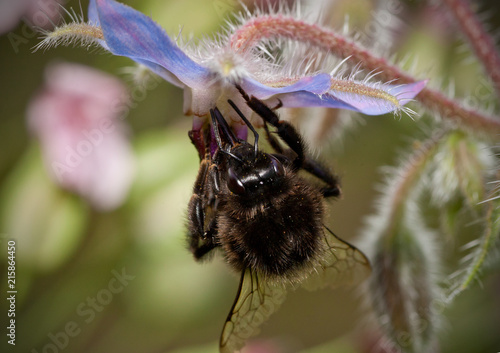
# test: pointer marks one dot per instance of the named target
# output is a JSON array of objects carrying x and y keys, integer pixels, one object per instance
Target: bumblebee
[{"x": 265, "y": 217}]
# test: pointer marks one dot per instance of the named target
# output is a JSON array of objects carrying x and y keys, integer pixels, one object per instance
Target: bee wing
[
  {"x": 341, "y": 264},
  {"x": 255, "y": 301}
]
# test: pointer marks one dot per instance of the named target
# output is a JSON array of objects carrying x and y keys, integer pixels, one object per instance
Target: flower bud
[
  {"x": 403, "y": 289},
  {"x": 460, "y": 167}
]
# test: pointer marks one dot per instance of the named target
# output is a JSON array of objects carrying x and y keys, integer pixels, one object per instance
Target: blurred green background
[{"x": 67, "y": 254}]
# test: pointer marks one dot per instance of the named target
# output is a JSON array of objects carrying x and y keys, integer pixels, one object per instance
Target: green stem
[{"x": 406, "y": 179}]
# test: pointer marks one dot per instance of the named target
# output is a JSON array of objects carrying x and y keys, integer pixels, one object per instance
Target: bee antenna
[
  {"x": 226, "y": 130},
  {"x": 242, "y": 92},
  {"x": 216, "y": 119},
  {"x": 250, "y": 126}
]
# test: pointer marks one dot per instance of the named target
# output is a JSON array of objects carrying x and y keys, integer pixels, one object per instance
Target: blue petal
[
  {"x": 376, "y": 106},
  {"x": 94, "y": 20},
  {"x": 366, "y": 105},
  {"x": 92, "y": 13},
  {"x": 307, "y": 99},
  {"x": 318, "y": 84},
  {"x": 130, "y": 33},
  {"x": 407, "y": 92}
]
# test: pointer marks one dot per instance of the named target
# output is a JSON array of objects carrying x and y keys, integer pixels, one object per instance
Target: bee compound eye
[
  {"x": 234, "y": 183},
  {"x": 278, "y": 168}
]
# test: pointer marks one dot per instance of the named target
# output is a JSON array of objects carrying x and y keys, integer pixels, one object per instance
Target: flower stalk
[
  {"x": 407, "y": 177},
  {"x": 479, "y": 40},
  {"x": 271, "y": 26},
  {"x": 403, "y": 287}
]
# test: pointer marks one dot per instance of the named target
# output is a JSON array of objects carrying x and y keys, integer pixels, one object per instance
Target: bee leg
[
  {"x": 277, "y": 106},
  {"x": 285, "y": 156},
  {"x": 196, "y": 212},
  {"x": 310, "y": 165},
  {"x": 273, "y": 141},
  {"x": 201, "y": 242},
  {"x": 200, "y": 250},
  {"x": 202, "y": 209},
  {"x": 200, "y": 138},
  {"x": 292, "y": 138},
  {"x": 285, "y": 130},
  {"x": 333, "y": 185}
]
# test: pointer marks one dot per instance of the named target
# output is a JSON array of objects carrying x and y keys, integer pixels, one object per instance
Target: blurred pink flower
[
  {"x": 76, "y": 116},
  {"x": 37, "y": 13}
]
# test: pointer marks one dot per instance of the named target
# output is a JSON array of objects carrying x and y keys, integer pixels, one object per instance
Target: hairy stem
[
  {"x": 266, "y": 27},
  {"x": 407, "y": 177},
  {"x": 480, "y": 41},
  {"x": 490, "y": 236}
]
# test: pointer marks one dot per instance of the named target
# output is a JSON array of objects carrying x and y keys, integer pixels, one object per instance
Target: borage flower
[{"x": 208, "y": 73}]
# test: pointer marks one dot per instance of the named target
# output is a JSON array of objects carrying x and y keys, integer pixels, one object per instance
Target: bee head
[{"x": 252, "y": 174}]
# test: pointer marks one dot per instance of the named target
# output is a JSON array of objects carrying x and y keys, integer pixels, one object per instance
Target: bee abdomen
[{"x": 278, "y": 242}]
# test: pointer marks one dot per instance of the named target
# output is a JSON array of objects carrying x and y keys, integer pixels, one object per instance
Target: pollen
[
  {"x": 71, "y": 33},
  {"x": 363, "y": 90},
  {"x": 78, "y": 29},
  {"x": 282, "y": 82},
  {"x": 229, "y": 65}
]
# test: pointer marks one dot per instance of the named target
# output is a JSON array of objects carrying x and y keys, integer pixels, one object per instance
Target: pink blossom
[{"x": 76, "y": 117}]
